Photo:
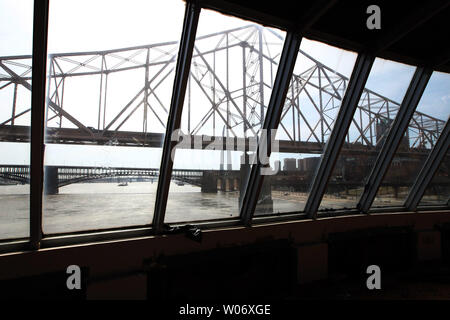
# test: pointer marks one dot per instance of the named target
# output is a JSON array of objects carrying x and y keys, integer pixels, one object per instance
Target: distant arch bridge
[{"x": 60, "y": 176}]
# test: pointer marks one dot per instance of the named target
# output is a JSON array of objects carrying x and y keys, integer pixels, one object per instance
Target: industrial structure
[
  {"x": 227, "y": 115},
  {"x": 347, "y": 140}
]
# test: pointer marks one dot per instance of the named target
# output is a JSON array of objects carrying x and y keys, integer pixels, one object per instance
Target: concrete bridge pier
[
  {"x": 209, "y": 182},
  {"x": 265, "y": 202},
  {"x": 51, "y": 180},
  {"x": 225, "y": 184},
  {"x": 221, "y": 184},
  {"x": 229, "y": 185},
  {"x": 244, "y": 173}
]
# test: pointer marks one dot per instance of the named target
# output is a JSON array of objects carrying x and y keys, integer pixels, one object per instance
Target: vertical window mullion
[
  {"x": 350, "y": 101},
  {"x": 39, "y": 63},
  {"x": 429, "y": 169},
  {"x": 272, "y": 120},
  {"x": 190, "y": 24},
  {"x": 398, "y": 128}
]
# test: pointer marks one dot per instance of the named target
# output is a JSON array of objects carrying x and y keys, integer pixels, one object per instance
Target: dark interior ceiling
[{"x": 415, "y": 33}]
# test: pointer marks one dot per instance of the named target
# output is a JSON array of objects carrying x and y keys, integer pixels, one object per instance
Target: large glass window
[
  {"x": 110, "y": 78},
  {"x": 313, "y": 100},
  {"x": 109, "y": 87},
  {"x": 16, "y": 41},
  {"x": 386, "y": 85},
  {"x": 232, "y": 72},
  {"x": 423, "y": 131}
]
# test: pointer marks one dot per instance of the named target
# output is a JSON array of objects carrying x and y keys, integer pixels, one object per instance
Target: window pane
[
  {"x": 377, "y": 108},
  {"x": 16, "y": 42},
  {"x": 423, "y": 131},
  {"x": 438, "y": 191},
  {"x": 313, "y": 100},
  {"x": 110, "y": 85},
  {"x": 231, "y": 76}
]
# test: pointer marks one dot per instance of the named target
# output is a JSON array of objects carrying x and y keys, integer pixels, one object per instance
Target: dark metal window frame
[
  {"x": 190, "y": 24},
  {"x": 400, "y": 124},
  {"x": 38, "y": 97},
  {"x": 429, "y": 168},
  {"x": 360, "y": 73},
  {"x": 349, "y": 104},
  {"x": 273, "y": 115}
]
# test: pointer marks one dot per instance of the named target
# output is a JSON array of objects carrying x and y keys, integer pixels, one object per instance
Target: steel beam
[
  {"x": 429, "y": 168},
  {"x": 273, "y": 115},
  {"x": 442, "y": 58},
  {"x": 39, "y": 65},
  {"x": 378, "y": 103},
  {"x": 56, "y": 108},
  {"x": 409, "y": 24},
  {"x": 333, "y": 146},
  {"x": 187, "y": 41},
  {"x": 396, "y": 132},
  {"x": 317, "y": 10}
]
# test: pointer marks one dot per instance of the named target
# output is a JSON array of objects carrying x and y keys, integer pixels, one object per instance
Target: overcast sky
[{"x": 89, "y": 25}]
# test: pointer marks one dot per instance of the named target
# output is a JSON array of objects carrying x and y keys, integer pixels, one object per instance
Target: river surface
[
  {"x": 90, "y": 206},
  {"x": 93, "y": 206}
]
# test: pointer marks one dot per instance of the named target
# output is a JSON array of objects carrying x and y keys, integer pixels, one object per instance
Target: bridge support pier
[
  {"x": 244, "y": 172},
  {"x": 229, "y": 185},
  {"x": 265, "y": 202},
  {"x": 51, "y": 180},
  {"x": 221, "y": 184},
  {"x": 235, "y": 184},
  {"x": 209, "y": 182},
  {"x": 226, "y": 184}
]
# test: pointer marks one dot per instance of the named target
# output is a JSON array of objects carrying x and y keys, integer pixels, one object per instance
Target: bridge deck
[{"x": 155, "y": 140}]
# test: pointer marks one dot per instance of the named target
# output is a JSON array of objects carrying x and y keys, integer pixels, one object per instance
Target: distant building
[
  {"x": 290, "y": 164},
  {"x": 300, "y": 165},
  {"x": 382, "y": 129},
  {"x": 308, "y": 164}
]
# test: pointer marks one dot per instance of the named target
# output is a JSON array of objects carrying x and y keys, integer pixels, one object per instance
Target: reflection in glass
[
  {"x": 16, "y": 39},
  {"x": 232, "y": 72},
  {"x": 109, "y": 88},
  {"x": 313, "y": 100},
  {"x": 423, "y": 131},
  {"x": 377, "y": 108},
  {"x": 438, "y": 191}
]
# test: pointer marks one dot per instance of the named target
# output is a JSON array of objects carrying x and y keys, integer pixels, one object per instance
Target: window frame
[{"x": 36, "y": 238}]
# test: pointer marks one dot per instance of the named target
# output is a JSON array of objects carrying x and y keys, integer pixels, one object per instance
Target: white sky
[{"x": 88, "y": 25}]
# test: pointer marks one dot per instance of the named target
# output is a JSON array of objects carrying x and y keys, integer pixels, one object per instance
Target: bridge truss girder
[{"x": 213, "y": 105}]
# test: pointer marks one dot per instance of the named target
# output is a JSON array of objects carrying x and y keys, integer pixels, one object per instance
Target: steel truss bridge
[
  {"x": 207, "y": 180},
  {"x": 121, "y": 97},
  {"x": 65, "y": 175}
]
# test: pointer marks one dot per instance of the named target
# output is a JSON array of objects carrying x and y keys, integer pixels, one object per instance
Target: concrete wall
[{"x": 120, "y": 269}]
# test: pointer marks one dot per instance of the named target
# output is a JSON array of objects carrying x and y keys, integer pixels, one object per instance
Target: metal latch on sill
[{"x": 191, "y": 231}]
